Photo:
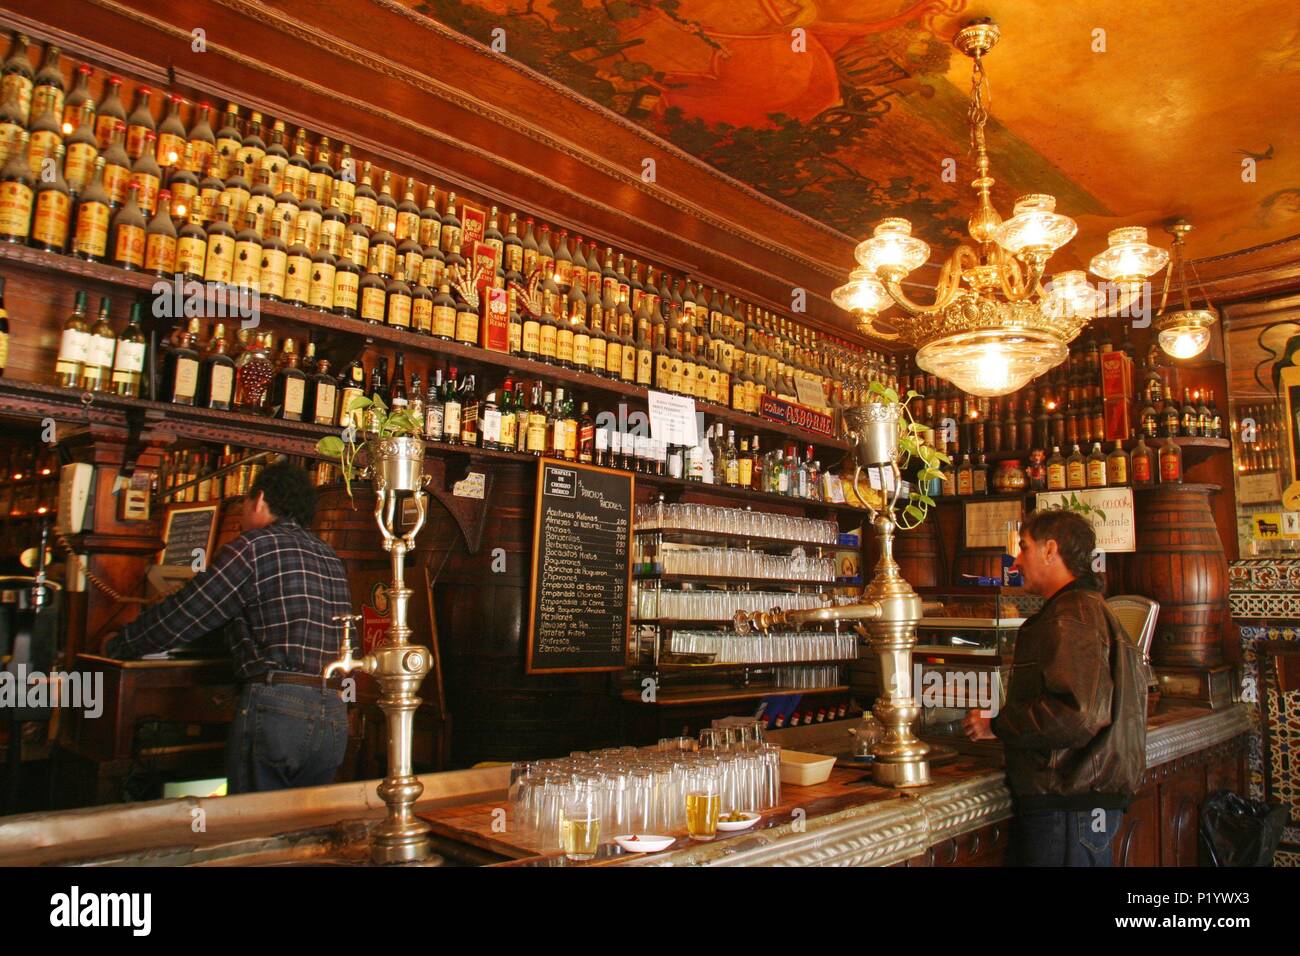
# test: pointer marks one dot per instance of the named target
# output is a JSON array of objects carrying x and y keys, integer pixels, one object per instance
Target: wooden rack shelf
[{"x": 466, "y": 358}]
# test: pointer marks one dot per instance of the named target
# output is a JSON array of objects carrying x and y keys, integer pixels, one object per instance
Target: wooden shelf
[
  {"x": 1194, "y": 449},
  {"x": 464, "y": 357},
  {"x": 759, "y": 583},
  {"x": 169, "y": 422},
  {"x": 701, "y": 695}
]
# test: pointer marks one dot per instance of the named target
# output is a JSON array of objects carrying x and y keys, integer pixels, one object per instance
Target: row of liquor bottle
[
  {"x": 278, "y": 200},
  {"x": 1260, "y": 438},
  {"x": 1145, "y": 465},
  {"x": 205, "y": 473}
]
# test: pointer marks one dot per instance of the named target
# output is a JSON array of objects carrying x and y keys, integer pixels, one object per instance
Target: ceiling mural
[{"x": 846, "y": 110}]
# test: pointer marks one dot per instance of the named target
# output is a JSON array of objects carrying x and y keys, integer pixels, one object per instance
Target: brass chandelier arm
[{"x": 945, "y": 291}]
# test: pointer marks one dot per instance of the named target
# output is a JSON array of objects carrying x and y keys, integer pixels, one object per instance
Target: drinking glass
[
  {"x": 703, "y": 802},
  {"x": 580, "y": 821}
]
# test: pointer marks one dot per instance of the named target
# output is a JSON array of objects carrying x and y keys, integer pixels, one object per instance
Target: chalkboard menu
[
  {"x": 188, "y": 527},
  {"x": 582, "y": 569}
]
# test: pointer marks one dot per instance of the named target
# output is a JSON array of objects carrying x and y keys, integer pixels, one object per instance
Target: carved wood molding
[{"x": 1196, "y": 736}]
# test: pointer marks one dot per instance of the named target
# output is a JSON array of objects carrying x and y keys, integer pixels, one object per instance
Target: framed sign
[
  {"x": 1118, "y": 533},
  {"x": 187, "y": 528},
  {"x": 989, "y": 524},
  {"x": 582, "y": 569}
]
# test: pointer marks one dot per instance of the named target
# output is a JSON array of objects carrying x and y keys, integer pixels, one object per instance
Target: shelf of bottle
[
  {"x": 758, "y": 583},
  {"x": 739, "y": 665},
  {"x": 1193, "y": 448},
  {"x": 465, "y": 357},
  {"x": 717, "y": 695},
  {"x": 687, "y": 536},
  {"x": 38, "y": 400}
]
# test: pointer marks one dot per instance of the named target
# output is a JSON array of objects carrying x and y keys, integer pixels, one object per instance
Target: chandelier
[
  {"x": 1183, "y": 333},
  {"x": 993, "y": 324}
]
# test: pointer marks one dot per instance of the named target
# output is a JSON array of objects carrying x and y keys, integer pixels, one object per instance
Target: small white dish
[
  {"x": 644, "y": 842},
  {"x": 728, "y": 827}
]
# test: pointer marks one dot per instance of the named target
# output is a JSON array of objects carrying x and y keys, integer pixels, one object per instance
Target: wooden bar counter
[{"x": 961, "y": 819}]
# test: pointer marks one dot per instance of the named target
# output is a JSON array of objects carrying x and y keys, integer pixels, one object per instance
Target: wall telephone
[{"x": 76, "y": 482}]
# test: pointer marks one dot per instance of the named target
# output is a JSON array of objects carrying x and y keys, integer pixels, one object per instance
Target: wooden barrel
[
  {"x": 917, "y": 553},
  {"x": 1180, "y": 562}
]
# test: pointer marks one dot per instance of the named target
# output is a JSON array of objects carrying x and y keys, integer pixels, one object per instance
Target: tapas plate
[
  {"x": 729, "y": 826},
  {"x": 644, "y": 842}
]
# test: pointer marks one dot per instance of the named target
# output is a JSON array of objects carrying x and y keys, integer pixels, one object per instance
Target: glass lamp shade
[
  {"x": 1035, "y": 227},
  {"x": 1128, "y": 257},
  {"x": 1186, "y": 333},
  {"x": 892, "y": 247},
  {"x": 991, "y": 362},
  {"x": 861, "y": 294},
  {"x": 1071, "y": 294}
]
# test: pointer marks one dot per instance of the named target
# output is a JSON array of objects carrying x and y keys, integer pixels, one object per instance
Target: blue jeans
[
  {"x": 285, "y": 735},
  {"x": 1064, "y": 837}
]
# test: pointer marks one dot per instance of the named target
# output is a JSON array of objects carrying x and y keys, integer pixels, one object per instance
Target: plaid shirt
[{"x": 278, "y": 587}]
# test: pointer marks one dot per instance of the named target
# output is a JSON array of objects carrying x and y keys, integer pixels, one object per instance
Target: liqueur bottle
[
  {"x": 160, "y": 239},
  {"x": 181, "y": 368},
  {"x": 289, "y": 388},
  {"x": 140, "y": 123},
  {"x": 220, "y": 254},
  {"x": 171, "y": 134},
  {"x": 1171, "y": 462},
  {"x": 254, "y": 372},
  {"x": 217, "y": 381},
  {"x": 18, "y": 76},
  {"x": 4, "y": 330},
  {"x": 202, "y": 144},
  {"x": 1143, "y": 463},
  {"x": 16, "y": 195},
  {"x": 1096, "y": 467},
  {"x": 352, "y": 385},
  {"x": 81, "y": 149},
  {"x": 1117, "y": 464},
  {"x": 52, "y": 207},
  {"x": 48, "y": 88},
  {"x": 1056, "y": 471},
  {"x": 111, "y": 112}
]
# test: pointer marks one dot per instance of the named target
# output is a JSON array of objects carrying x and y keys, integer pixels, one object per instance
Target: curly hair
[
  {"x": 289, "y": 492},
  {"x": 1074, "y": 536}
]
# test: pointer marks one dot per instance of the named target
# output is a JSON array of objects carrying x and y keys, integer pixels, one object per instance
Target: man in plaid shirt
[{"x": 277, "y": 588}]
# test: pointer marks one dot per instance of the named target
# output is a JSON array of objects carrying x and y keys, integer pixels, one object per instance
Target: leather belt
[{"x": 303, "y": 680}]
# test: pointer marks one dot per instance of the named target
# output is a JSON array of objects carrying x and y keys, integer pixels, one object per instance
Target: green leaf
[
  {"x": 330, "y": 446},
  {"x": 915, "y": 512},
  {"x": 891, "y": 396},
  {"x": 358, "y": 402},
  {"x": 923, "y": 499},
  {"x": 913, "y": 393}
]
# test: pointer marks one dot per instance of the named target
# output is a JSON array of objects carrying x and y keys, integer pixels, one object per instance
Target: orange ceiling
[{"x": 1127, "y": 115}]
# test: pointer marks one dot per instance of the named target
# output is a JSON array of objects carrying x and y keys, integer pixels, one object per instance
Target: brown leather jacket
[{"x": 1074, "y": 723}]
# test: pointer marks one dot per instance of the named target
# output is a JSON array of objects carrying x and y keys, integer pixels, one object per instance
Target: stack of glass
[
  {"x": 776, "y": 647},
  {"x": 573, "y": 804},
  {"x": 661, "y": 516},
  {"x": 652, "y": 603},
  {"x": 738, "y": 563}
]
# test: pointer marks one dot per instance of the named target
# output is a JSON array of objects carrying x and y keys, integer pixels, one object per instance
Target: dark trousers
[
  {"x": 1064, "y": 837},
  {"x": 285, "y": 735}
]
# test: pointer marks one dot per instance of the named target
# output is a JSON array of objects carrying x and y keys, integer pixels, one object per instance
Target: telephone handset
[{"x": 76, "y": 482}]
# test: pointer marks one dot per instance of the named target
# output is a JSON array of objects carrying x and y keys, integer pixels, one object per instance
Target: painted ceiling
[{"x": 851, "y": 110}]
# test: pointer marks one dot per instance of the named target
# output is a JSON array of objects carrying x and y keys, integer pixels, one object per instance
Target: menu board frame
[
  {"x": 213, "y": 508},
  {"x": 538, "y": 513}
]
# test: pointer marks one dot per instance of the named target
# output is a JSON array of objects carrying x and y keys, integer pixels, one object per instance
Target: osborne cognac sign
[{"x": 778, "y": 410}]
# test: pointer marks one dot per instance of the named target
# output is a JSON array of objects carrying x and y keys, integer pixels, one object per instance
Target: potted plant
[
  {"x": 394, "y": 444},
  {"x": 878, "y": 443},
  {"x": 1072, "y": 502}
]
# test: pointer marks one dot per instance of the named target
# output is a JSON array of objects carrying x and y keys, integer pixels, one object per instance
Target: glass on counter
[{"x": 663, "y": 516}]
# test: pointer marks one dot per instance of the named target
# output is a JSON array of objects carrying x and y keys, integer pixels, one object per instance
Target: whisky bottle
[
  {"x": 1171, "y": 417},
  {"x": 275, "y": 159},
  {"x": 365, "y": 205},
  {"x": 310, "y": 212},
  {"x": 352, "y": 385},
  {"x": 449, "y": 238},
  {"x": 81, "y": 149},
  {"x": 467, "y": 324},
  {"x": 298, "y": 268},
  {"x": 246, "y": 273},
  {"x": 128, "y": 233},
  {"x": 202, "y": 144},
  {"x": 181, "y": 368},
  {"x": 1143, "y": 464},
  {"x": 16, "y": 195},
  {"x": 192, "y": 247},
  {"x": 160, "y": 239},
  {"x": 1096, "y": 467},
  {"x": 563, "y": 263},
  {"x": 1076, "y": 471},
  {"x": 171, "y": 134},
  {"x": 52, "y": 206},
  {"x": 433, "y": 405},
  {"x": 217, "y": 376},
  {"x": 345, "y": 182},
  {"x": 97, "y": 370},
  {"x": 18, "y": 77},
  {"x": 1117, "y": 464},
  {"x": 451, "y": 408},
  {"x": 47, "y": 88},
  {"x": 321, "y": 175},
  {"x": 1190, "y": 421},
  {"x": 407, "y": 214},
  {"x": 1171, "y": 462},
  {"x": 229, "y": 139},
  {"x": 528, "y": 251},
  {"x": 139, "y": 123},
  {"x": 322, "y": 391},
  {"x": 421, "y": 307},
  {"x": 324, "y": 266},
  {"x": 297, "y": 170},
  {"x": 252, "y": 148},
  {"x": 130, "y": 355},
  {"x": 399, "y": 302},
  {"x": 220, "y": 254},
  {"x": 289, "y": 393},
  {"x": 210, "y": 190},
  {"x": 347, "y": 285},
  {"x": 546, "y": 257},
  {"x": 145, "y": 171}
]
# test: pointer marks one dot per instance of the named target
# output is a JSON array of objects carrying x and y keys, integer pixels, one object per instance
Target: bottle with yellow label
[
  {"x": 323, "y": 267},
  {"x": 275, "y": 260},
  {"x": 160, "y": 239},
  {"x": 16, "y": 196},
  {"x": 220, "y": 262},
  {"x": 399, "y": 302},
  {"x": 73, "y": 345},
  {"x": 18, "y": 77},
  {"x": 128, "y": 233},
  {"x": 347, "y": 285},
  {"x": 51, "y": 205},
  {"x": 247, "y": 270},
  {"x": 192, "y": 247},
  {"x": 1096, "y": 467},
  {"x": 1076, "y": 470},
  {"x": 97, "y": 370},
  {"x": 466, "y": 322},
  {"x": 374, "y": 298},
  {"x": 1056, "y": 477},
  {"x": 297, "y": 269},
  {"x": 82, "y": 149}
]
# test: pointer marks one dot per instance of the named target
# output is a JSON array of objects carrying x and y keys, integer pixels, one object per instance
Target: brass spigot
[{"x": 346, "y": 662}]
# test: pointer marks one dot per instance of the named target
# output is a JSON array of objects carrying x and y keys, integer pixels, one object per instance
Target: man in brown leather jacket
[{"x": 1074, "y": 722}]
